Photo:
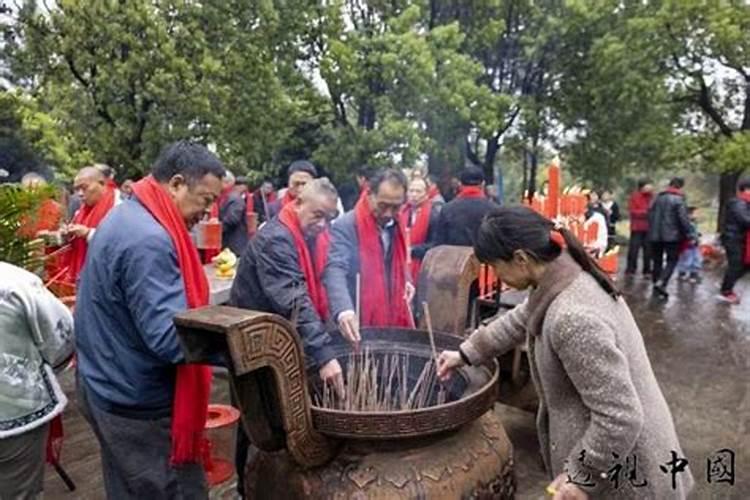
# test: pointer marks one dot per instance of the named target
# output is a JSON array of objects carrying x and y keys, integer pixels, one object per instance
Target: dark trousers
[
  {"x": 639, "y": 241},
  {"x": 672, "y": 252},
  {"x": 135, "y": 457},
  {"x": 735, "y": 264}
]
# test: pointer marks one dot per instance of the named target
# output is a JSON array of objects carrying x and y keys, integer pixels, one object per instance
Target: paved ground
[{"x": 700, "y": 351}]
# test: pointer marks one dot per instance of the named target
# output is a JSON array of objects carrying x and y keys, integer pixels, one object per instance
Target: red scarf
[
  {"x": 745, "y": 196},
  {"x": 287, "y": 199},
  {"x": 471, "y": 192},
  {"x": 417, "y": 232},
  {"x": 433, "y": 192},
  {"x": 379, "y": 306},
  {"x": 674, "y": 190},
  {"x": 193, "y": 381},
  {"x": 89, "y": 217},
  {"x": 313, "y": 270}
]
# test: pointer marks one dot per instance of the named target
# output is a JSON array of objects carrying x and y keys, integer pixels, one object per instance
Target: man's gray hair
[{"x": 318, "y": 187}]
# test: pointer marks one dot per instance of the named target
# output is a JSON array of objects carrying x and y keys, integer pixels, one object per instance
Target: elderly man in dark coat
[
  {"x": 669, "y": 226},
  {"x": 280, "y": 272}
]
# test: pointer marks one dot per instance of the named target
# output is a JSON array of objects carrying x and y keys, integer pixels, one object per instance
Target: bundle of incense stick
[{"x": 377, "y": 383}]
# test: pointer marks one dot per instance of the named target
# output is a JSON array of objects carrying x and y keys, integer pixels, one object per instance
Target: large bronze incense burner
[{"x": 451, "y": 445}]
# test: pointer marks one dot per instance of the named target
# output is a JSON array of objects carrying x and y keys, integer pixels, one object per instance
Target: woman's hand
[
  {"x": 562, "y": 489},
  {"x": 448, "y": 361}
]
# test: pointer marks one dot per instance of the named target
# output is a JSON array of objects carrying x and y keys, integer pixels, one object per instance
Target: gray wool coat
[{"x": 601, "y": 413}]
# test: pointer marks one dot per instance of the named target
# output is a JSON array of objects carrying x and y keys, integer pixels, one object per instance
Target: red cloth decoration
[
  {"x": 380, "y": 306},
  {"x": 193, "y": 381},
  {"x": 54, "y": 440},
  {"x": 471, "y": 192},
  {"x": 89, "y": 217},
  {"x": 745, "y": 196},
  {"x": 418, "y": 232},
  {"x": 311, "y": 268}
]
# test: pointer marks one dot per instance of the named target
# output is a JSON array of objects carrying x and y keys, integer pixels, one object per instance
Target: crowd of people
[
  {"x": 664, "y": 232},
  {"x": 324, "y": 257}
]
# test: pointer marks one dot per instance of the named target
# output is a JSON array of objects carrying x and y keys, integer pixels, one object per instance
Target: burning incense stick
[{"x": 378, "y": 382}]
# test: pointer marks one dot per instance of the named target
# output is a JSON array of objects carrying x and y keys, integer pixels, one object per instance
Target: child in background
[{"x": 691, "y": 260}]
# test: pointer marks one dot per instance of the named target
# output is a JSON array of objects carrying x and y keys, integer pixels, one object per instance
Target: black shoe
[
  {"x": 682, "y": 276},
  {"x": 647, "y": 276},
  {"x": 694, "y": 278},
  {"x": 660, "y": 292}
]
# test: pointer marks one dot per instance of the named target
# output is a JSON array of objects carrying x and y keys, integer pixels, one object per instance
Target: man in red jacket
[{"x": 638, "y": 205}]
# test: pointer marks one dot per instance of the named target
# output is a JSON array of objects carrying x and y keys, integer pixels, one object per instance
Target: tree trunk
[
  {"x": 493, "y": 146},
  {"x": 727, "y": 189},
  {"x": 532, "y": 174}
]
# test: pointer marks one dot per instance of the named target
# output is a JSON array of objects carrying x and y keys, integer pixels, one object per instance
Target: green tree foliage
[
  {"x": 132, "y": 76},
  {"x": 396, "y": 88},
  {"x": 618, "y": 87}
]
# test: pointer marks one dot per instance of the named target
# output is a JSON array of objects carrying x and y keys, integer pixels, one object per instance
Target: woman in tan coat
[{"x": 604, "y": 427}]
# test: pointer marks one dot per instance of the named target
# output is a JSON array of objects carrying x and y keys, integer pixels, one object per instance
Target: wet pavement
[{"x": 700, "y": 352}]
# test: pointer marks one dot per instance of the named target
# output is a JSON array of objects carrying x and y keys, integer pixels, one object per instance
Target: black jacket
[
  {"x": 737, "y": 221},
  {"x": 668, "y": 219},
  {"x": 460, "y": 219},
  {"x": 259, "y": 207},
  {"x": 340, "y": 276},
  {"x": 269, "y": 279},
  {"x": 233, "y": 217}
]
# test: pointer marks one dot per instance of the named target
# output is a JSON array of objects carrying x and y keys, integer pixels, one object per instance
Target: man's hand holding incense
[
  {"x": 349, "y": 327},
  {"x": 448, "y": 361},
  {"x": 331, "y": 374},
  {"x": 76, "y": 230}
]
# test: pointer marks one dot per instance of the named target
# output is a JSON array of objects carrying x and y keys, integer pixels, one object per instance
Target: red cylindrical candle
[{"x": 553, "y": 175}]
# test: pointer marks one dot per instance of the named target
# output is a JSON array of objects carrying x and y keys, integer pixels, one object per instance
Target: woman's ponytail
[{"x": 587, "y": 262}]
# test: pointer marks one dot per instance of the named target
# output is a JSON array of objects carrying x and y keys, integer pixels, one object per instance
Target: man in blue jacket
[{"x": 127, "y": 346}]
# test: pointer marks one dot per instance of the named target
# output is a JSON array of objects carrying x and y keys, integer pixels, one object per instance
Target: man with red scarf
[
  {"x": 147, "y": 407},
  {"x": 736, "y": 241},
  {"x": 669, "y": 226},
  {"x": 419, "y": 217},
  {"x": 280, "y": 272},
  {"x": 369, "y": 241},
  {"x": 98, "y": 197},
  {"x": 460, "y": 218}
]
